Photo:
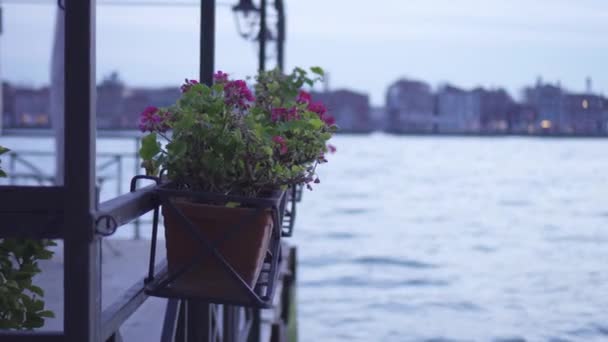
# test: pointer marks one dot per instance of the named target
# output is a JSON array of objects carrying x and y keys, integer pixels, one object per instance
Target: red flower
[
  {"x": 237, "y": 94},
  {"x": 328, "y": 119},
  {"x": 154, "y": 120},
  {"x": 187, "y": 85},
  {"x": 331, "y": 148},
  {"x": 277, "y": 114},
  {"x": 283, "y": 113},
  {"x": 220, "y": 77},
  {"x": 279, "y": 140},
  {"x": 318, "y": 108},
  {"x": 303, "y": 97}
]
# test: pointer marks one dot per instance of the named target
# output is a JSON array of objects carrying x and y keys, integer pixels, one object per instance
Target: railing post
[{"x": 82, "y": 281}]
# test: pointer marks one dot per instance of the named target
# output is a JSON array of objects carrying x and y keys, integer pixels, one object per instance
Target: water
[
  {"x": 449, "y": 239},
  {"x": 456, "y": 239}
]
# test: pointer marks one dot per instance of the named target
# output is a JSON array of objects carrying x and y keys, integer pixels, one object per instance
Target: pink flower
[
  {"x": 187, "y": 85},
  {"x": 279, "y": 140},
  {"x": 317, "y": 107},
  {"x": 328, "y": 119},
  {"x": 292, "y": 114},
  {"x": 237, "y": 94},
  {"x": 303, "y": 97},
  {"x": 278, "y": 114},
  {"x": 321, "y": 110},
  {"x": 154, "y": 120},
  {"x": 331, "y": 148},
  {"x": 220, "y": 77}
]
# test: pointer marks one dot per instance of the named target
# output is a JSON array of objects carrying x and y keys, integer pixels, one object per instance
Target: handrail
[
  {"x": 31, "y": 336},
  {"x": 126, "y": 208},
  {"x": 118, "y": 312}
]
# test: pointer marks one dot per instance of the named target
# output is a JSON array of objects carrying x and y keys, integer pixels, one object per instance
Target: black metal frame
[
  {"x": 289, "y": 214},
  {"x": 260, "y": 295}
]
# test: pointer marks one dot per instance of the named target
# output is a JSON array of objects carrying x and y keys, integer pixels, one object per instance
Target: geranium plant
[{"x": 223, "y": 139}]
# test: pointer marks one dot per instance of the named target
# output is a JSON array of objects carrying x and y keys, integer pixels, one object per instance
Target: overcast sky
[{"x": 365, "y": 45}]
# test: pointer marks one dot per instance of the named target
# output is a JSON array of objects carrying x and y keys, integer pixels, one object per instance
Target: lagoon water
[{"x": 449, "y": 239}]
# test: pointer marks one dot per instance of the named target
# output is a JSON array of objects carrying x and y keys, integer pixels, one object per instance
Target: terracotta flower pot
[{"x": 244, "y": 250}]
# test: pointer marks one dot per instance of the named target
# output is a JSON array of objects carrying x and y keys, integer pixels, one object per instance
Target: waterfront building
[
  {"x": 351, "y": 109},
  {"x": 410, "y": 107},
  {"x": 458, "y": 110},
  {"x": 30, "y": 107},
  {"x": 495, "y": 105},
  {"x": 584, "y": 114},
  {"x": 137, "y": 99},
  {"x": 110, "y": 104},
  {"x": 548, "y": 101}
]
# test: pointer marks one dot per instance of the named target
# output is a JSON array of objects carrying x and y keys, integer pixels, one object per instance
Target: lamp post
[
  {"x": 262, "y": 37},
  {"x": 278, "y": 4},
  {"x": 207, "y": 45}
]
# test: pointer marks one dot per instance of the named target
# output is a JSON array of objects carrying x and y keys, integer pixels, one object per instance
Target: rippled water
[
  {"x": 456, "y": 239},
  {"x": 447, "y": 239}
]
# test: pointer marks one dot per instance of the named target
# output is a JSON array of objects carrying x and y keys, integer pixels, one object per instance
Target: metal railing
[{"x": 24, "y": 168}]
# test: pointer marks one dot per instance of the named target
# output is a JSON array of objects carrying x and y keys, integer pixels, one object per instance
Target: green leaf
[
  {"x": 47, "y": 314},
  {"x": 37, "y": 290},
  {"x": 316, "y": 123},
  {"x": 318, "y": 70},
  {"x": 233, "y": 205},
  {"x": 149, "y": 147},
  {"x": 3, "y": 150}
]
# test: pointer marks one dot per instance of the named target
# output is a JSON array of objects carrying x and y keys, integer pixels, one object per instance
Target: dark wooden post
[{"x": 82, "y": 290}]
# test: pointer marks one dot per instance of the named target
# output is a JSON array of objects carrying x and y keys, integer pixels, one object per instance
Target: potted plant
[{"x": 222, "y": 150}]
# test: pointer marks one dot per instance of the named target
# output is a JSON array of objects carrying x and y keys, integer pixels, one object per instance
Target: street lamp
[
  {"x": 244, "y": 9},
  {"x": 251, "y": 23}
]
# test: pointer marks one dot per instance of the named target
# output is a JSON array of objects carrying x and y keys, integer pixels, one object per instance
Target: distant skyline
[{"x": 365, "y": 47}]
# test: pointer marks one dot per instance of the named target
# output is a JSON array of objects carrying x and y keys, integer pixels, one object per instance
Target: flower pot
[{"x": 242, "y": 236}]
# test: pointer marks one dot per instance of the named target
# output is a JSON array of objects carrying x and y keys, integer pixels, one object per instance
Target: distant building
[
  {"x": 110, "y": 104},
  {"x": 458, "y": 110},
  {"x": 30, "y": 108},
  {"x": 410, "y": 107},
  {"x": 351, "y": 109},
  {"x": 548, "y": 101},
  {"x": 495, "y": 105},
  {"x": 9, "y": 118},
  {"x": 584, "y": 114},
  {"x": 136, "y": 100},
  {"x": 522, "y": 119}
]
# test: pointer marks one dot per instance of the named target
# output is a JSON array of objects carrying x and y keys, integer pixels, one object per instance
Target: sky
[{"x": 364, "y": 45}]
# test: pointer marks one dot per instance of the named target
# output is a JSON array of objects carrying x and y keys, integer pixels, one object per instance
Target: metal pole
[
  {"x": 207, "y": 53},
  {"x": 262, "y": 36},
  {"x": 280, "y": 7},
  {"x": 57, "y": 94},
  {"x": 195, "y": 322},
  {"x": 82, "y": 259}
]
